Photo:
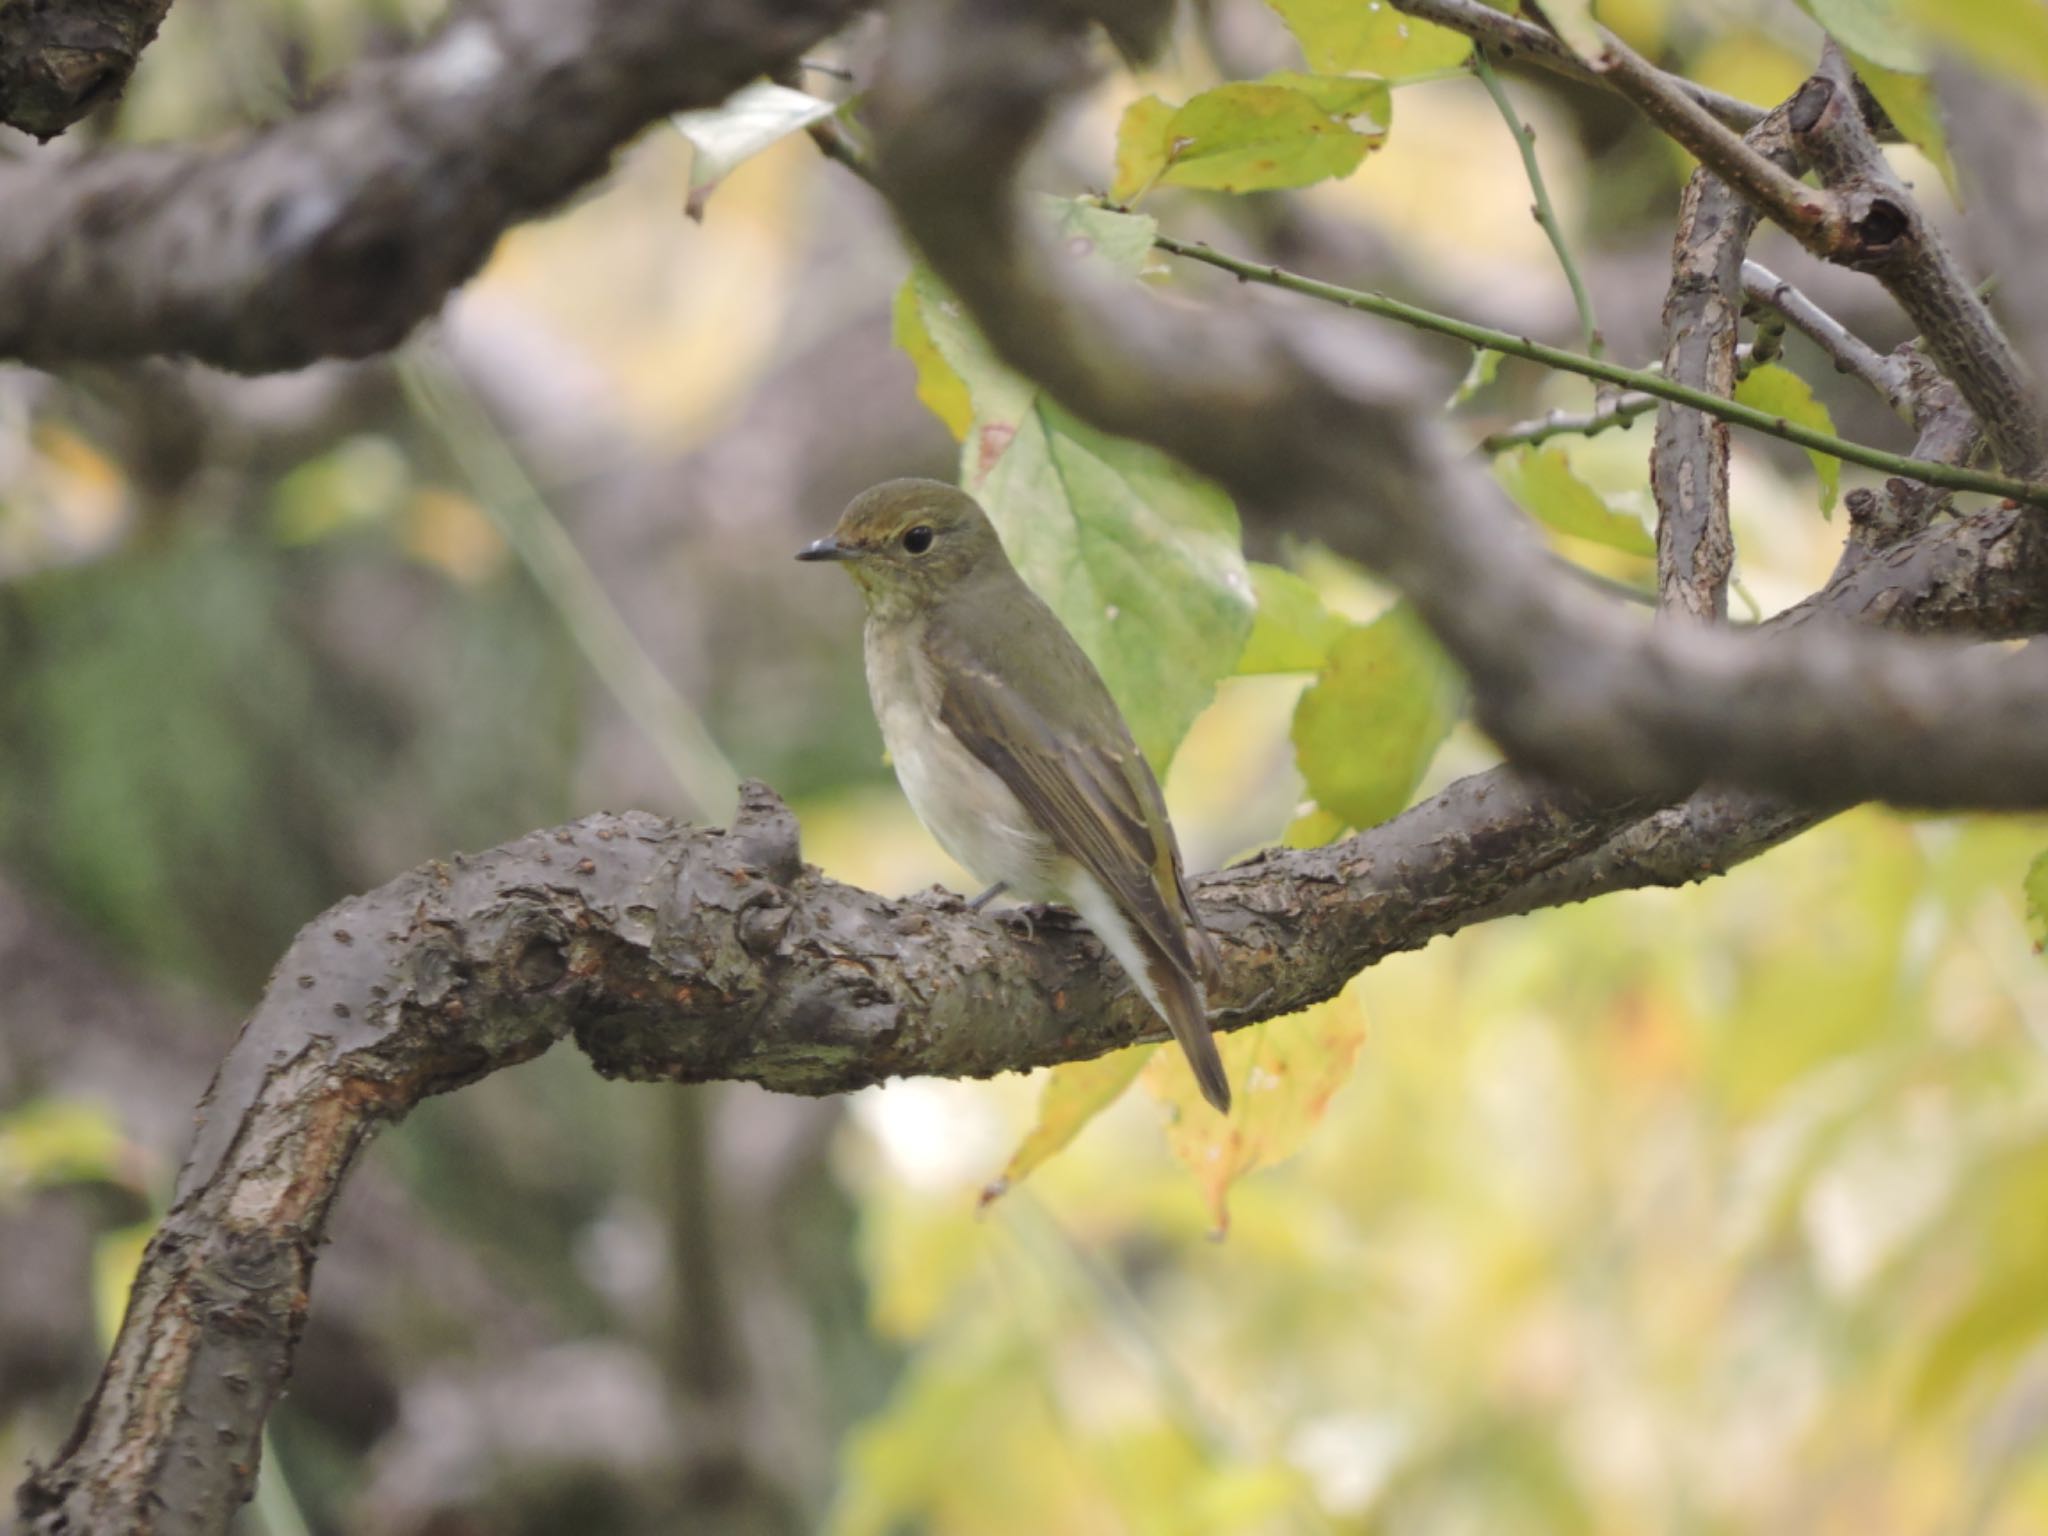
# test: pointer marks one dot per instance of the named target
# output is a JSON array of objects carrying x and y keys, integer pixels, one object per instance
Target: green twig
[
  {"x": 1546, "y": 215},
  {"x": 1949, "y": 476},
  {"x": 522, "y": 517}
]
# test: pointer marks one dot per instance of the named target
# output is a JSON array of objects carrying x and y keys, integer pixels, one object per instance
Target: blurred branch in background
[
  {"x": 336, "y": 232},
  {"x": 710, "y": 786}
]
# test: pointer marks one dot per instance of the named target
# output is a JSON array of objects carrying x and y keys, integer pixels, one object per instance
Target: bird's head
[{"x": 909, "y": 542}]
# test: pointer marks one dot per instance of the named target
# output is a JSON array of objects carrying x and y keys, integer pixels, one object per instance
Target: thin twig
[
  {"x": 1849, "y": 352},
  {"x": 1619, "y": 411},
  {"x": 1512, "y": 38},
  {"x": 1952, "y": 477},
  {"x": 1546, "y": 215}
]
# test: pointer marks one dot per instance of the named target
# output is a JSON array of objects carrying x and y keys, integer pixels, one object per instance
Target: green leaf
[
  {"x": 1542, "y": 482},
  {"x": 1292, "y": 631},
  {"x": 1366, "y": 729},
  {"x": 1313, "y": 828},
  {"x": 2005, "y": 37},
  {"x": 54, "y": 1141},
  {"x": 1349, "y": 97},
  {"x": 1881, "y": 30},
  {"x": 1789, "y": 398},
  {"x": 1120, "y": 241},
  {"x": 1343, "y": 37},
  {"x": 1251, "y": 137},
  {"x": 2036, "y": 889},
  {"x": 1139, "y": 558},
  {"x": 747, "y": 122},
  {"x": 1075, "y": 1093}
]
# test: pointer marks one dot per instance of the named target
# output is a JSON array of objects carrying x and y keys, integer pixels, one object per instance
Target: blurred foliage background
[{"x": 1705, "y": 1211}]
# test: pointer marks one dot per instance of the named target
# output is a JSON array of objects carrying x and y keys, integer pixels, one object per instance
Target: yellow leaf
[
  {"x": 1140, "y": 148},
  {"x": 1075, "y": 1093},
  {"x": 1284, "y": 1072},
  {"x": 943, "y": 391}
]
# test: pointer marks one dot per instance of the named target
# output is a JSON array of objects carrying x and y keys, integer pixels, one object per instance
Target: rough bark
[
  {"x": 60, "y": 60},
  {"x": 335, "y": 233}
]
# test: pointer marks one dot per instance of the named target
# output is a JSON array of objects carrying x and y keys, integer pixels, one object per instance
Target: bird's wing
[{"x": 1082, "y": 779}]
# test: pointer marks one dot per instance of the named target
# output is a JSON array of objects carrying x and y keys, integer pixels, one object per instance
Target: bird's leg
[{"x": 987, "y": 896}]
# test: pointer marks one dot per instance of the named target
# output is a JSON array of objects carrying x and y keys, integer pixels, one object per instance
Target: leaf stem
[
  {"x": 1546, "y": 214},
  {"x": 1949, "y": 476}
]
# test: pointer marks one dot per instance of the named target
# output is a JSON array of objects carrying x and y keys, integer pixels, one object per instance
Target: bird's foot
[
  {"x": 987, "y": 896},
  {"x": 1020, "y": 917}
]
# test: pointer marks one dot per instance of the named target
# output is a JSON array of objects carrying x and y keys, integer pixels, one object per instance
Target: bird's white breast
[{"x": 961, "y": 801}]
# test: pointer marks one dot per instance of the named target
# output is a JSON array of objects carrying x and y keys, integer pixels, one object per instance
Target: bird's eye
[{"x": 917, "y": 540}]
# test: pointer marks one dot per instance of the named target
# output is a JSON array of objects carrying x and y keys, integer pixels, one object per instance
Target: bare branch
[
  {"x": 1569, "y": 684},
  {"x": 1849, "y": 352},
  {"x": 1886, "y": 234},
  {"x": 58, "y": 62},
  {"x": 1512, "y": 39},
  {"x": 334, "y": 234},
  {"x": 1702, "y": 314}
]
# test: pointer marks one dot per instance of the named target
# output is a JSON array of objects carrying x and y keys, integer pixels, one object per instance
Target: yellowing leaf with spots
[
  {"x": 1075, "y": 1093},
  {"x": 1283, "y": 1073}
]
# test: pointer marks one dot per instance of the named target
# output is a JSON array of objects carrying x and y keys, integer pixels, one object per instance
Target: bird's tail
[{"x": 1180, "y": 1000}]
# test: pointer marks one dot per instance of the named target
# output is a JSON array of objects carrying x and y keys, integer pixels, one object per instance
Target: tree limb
[
  {"x": 335, "y": 233},
  {"x": 1702, "y": 314},
  {"x": 667, "y": 954},
  {"x": 1570, "y": 684},
  {"x": 58, "y": 62},
  {"x": 1887, "y": 235}
]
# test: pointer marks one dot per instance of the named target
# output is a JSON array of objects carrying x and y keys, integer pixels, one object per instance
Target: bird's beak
[{"x": 824, "y": 549}]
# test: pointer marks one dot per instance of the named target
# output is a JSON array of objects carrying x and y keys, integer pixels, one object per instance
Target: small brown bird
[{"x": 1010, "y": 748}]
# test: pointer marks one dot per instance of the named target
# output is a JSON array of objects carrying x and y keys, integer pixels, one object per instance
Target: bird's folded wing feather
[{"x": 1090, "y": 797}]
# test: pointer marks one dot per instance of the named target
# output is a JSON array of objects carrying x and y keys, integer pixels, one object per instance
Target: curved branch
[
  {"x": 335, "y": 233},
  {"x": 674, "y": 954},
  {"x": 58, "y": 62},
  {"x": 1286, "y": 419}
]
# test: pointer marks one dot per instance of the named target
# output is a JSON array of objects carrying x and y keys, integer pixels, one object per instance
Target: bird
[{"x": 1012, "y": 752}]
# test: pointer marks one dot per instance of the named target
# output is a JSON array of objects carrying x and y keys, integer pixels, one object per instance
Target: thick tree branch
[
  {"x": 1864, "y": 218},
  {"x": 1570, "y": 684},
  {"x": 1702, "y": 314},
  {"x": 58, "y": 62},
  {"x": 1889, "y": 236},
  {"x": 334, "y": 234},
  {"x": 670, "y": 954}
]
